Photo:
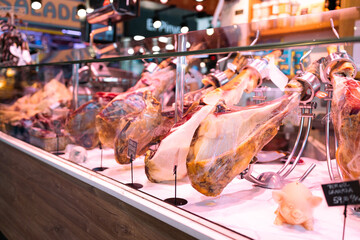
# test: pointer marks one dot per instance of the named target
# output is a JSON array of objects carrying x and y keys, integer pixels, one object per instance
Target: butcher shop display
[
  {"x": 152, "y": 124},
  {"x": 81, "y": 123},
  {"x": 52, "y": 96},
  {"x": 159, "y": 164},
  {"x": 145, "y": 127},
  {"x": 207, "y": 126},
  {"x": 39, "y": 118},
  {"x": 132, "y": 102}
]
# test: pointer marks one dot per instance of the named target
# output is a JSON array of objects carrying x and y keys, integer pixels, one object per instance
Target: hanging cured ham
[
  {"x": 346, "y": 120},
  {"x": 145, "y": 128},
  {"x": 131, "y": 102},
  {"x": 150, "y": 126},
  {"x": 174, "y": 148},
  {"x": 52, "y": 95},
  {"x": 226, "y": 141},
  {"x": 81, "y": 123}
]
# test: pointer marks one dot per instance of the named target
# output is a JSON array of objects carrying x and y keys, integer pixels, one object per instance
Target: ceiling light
[
  {"x": 138, "y": 37},
  {"x": 199, "y": 0},
  {"x": 169, "y": 47},
  {"x": 184, "y": 28},
  {"x": 210, "y": 31},
  {"x": 81, "y": 11},
  {"x": 199, "y": 7},
  {"x": 163, "y": 1},
  {"x": 163, "y": 39},
  {"x": 156, "y": 48},
  {"x": 156, "y": 22},
  {"x": 130, "y": 51},
  {"x": 36, "y": 4}
]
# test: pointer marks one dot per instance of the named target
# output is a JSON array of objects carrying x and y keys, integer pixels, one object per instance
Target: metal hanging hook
[
  {"x": 222, "y": 60},
  {"x": 335, "y": 32},
  {"x": 277, "y": 179},
  {"x": 256, "y": 38},
  {"x": 255, "y": 41},
  {"x": 303, "y": 57},
  {"x": 333, "y": 28},
  {"x": 306, "y": 112}
]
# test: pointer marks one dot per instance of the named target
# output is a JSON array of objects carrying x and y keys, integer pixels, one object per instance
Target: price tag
[
  {"x": 342, "y": 193},
  {"x": 132, "y": 146},
  {"x": 57, "y": 127}
]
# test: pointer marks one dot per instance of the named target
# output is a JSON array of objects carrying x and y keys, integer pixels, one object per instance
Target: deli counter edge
[{"x": 43, "y": 196}]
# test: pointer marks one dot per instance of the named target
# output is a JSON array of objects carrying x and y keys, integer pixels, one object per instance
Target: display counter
[
  {"x": 76, "y": 130},
  {"x": 47, "y": 196}
]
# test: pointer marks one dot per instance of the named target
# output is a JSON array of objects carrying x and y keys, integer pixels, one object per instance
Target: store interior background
[{"x": 56, "y": 25}]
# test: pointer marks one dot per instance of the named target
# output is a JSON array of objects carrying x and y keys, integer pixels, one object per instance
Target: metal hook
[
  {"x": 256, "y": 38},
  {"x": 303, "y": 57},
  {"x": 97, "y": 51},
  {"x": 309, "y": 115},
  {"x": 255, "y": 41},
  {"x": 277, "y": 179},
  {"x": 332, "y": 175},
  {"x": 222, "y": 60},
  {"x": 335, "y": 32},
  {"x": 333, "y": 28}
]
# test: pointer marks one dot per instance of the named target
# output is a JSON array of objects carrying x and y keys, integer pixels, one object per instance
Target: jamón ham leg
[
  {"x": 131, "y": 102},
  {"x": 226, "y": 141},
  {"x": 146, "y": 127},
  {"x": 174, "y": 148},
  {"x": 346, "y": 119},
  {"x": 81, "y": 123},
  {"x": 151, "y": 125}
]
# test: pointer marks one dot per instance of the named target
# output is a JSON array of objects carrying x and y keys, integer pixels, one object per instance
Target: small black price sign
[
  {"x": 342, "y": 193},
  {"x": 57, "y": 127},
  {"x": 132, "y": 146}
]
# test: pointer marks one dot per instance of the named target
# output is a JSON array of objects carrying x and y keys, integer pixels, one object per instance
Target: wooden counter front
[{"x": 38, "y": 201}]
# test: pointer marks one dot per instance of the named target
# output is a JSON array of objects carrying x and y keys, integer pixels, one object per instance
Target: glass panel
[
  {"x": 70, "y": 108},
  {"x": 274, "y": 33}
]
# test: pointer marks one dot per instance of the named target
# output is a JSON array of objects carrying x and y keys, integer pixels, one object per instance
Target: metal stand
[
  {"x": 175, "y": 200},
  {"x": 132, "y": 184},
  {"x": 58, "y": 152},
  {"x": 57, "y": 129},
  {"x": 276, "y": 180},
  {"x": 101, "y": 168},
  {"x": 337, "y": 175}
]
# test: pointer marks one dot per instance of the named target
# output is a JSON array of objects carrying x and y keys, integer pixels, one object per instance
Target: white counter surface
[{"x": 243, "y": 207}]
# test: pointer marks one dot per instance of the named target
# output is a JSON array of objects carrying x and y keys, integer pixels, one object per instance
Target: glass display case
[{"x": 211, "y": 121}]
